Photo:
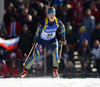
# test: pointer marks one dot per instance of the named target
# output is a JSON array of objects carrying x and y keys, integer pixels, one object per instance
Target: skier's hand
[
  {"x": 34, "y": 42},
  {"x": 63, "y": 41}
]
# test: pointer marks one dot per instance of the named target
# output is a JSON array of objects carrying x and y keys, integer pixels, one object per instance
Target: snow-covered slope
[{"x": 49, "y": 82}]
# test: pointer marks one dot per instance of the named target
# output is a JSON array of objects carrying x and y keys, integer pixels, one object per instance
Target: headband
[{"x": 51, "y": 10}]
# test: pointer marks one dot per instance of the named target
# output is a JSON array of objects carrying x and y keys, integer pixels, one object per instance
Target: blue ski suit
[{"x": 46, "y": 36}]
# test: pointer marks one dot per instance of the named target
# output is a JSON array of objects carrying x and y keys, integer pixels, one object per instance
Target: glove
[
  {"x": 34, "y": 42},
  {"x": 62, "y": 41}
]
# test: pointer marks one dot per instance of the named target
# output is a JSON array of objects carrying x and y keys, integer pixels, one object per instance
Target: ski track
[{"x": 49, "y": 82}]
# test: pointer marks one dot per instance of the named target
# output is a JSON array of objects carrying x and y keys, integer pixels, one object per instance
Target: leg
[
  {"x": 38, "y": 49},
  {"x": 32, "y": 59},
  {"x": 54, "y": 51}
]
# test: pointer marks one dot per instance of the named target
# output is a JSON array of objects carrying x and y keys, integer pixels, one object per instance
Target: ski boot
[
  {"x": 23, "y": 74},
  {"x": 55, "y": 73}
]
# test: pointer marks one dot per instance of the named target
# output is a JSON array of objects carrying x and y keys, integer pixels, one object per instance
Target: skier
[{"x": 46, "y": 36}]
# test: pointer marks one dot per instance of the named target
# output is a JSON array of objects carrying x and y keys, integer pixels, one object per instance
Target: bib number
[{"x": 49, "y": 35}]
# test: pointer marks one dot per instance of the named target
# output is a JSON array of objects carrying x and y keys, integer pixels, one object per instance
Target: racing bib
[{"x": 47, "y": 36}]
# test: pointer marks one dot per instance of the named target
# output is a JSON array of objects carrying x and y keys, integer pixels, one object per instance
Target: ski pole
[
  {"x": 28, "y": 55},
  {"x": 60, "y": 52}
]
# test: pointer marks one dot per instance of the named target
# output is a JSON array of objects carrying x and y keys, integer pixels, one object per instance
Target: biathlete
[{"x": 46, "y": 36}]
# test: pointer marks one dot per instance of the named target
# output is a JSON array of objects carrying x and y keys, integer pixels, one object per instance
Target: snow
[{"x": 49, "y": 82}]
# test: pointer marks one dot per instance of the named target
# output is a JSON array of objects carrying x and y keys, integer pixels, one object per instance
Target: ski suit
[{"x": 46, "y": 36}]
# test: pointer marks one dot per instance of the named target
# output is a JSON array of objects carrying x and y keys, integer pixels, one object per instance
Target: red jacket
[
  {"x": 95, "y": 12},
  {"x": 13, "y": 71},
  {"x": 18, "y": 53},
  {"x": 78, "y": 21},
  {"x": 14, "y": 29},
  {"x": 4, "y": 69}
]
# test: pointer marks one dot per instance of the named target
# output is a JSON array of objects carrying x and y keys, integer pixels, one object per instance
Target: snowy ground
[{"x": 49, "y": 82}]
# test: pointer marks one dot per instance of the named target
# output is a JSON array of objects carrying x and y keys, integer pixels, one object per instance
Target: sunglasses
[{"x": 51, "y": 14}]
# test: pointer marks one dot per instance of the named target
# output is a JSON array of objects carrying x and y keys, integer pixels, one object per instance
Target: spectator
[
  {"x": 3, "y": 53},
  {"x": 74, "y": 3},
  {"x": 85, "y": 49},
  {"x": 42, "y": 11},
  {"x": 67, "y": 53},
  {"x": 78, "y": 19},
  {"x": 33, "y": 5},
  {"x": 67, "y": 13},
  {"x": 69, "y": 69},
  {"x": 13, "y": 67},
  {"x": 27, "y": 6},
  {"x": 95, "y": 12},
  {"x": 58, "y": 3},
  {"x": 14, "y": 27},
  {"x": 96, "y": 33},
  {"x": 7, "y": 15},
  {"x": 85, "y": 56},
  {"x": 71, "y": 37},
  {"x": 3, "y": 34},
  {"x": 89, "y": 21},
  {"x": 23, "y": 16},
  {"x": 35, "y": 21},
  {"x": 83, "y": 34},
  {"x": 77, "y": 5},
  {"x": 19, "y": 6},
  {"x": 46, "y": 2},
  {"x": 86, "y": 4},
  {"x": 30, "y": 24},
  {"x": 98, "y": 5},
  {"x": 18, "y": 53},
  {"x": 19, "y": 56},
  {"x": 96, "y": 53},
  {"x": 3, "y": 69},
  {"x": 25, "y": 41}
]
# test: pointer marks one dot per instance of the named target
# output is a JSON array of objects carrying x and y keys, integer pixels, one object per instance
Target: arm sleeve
[
  {"x": 92, "y": 24},
  {"x": 62, "y": 27},
  {"x": 38, "y": 31}
]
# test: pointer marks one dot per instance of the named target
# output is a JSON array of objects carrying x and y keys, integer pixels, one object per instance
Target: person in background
[
  {"x": 19, "y": 6},
  {"x": 69, "y": 69},
  {"x": 13, "y": 67},
  {"x": 67, "y": 53},
  {"x": 3, "y": 34},
  {"x": 3, "y": 69},
  {"x": 83, "y": 34},
  {"x": 98, "y": 5},
  {"x": 67, "y": 13},
  {"x": 23, "y": 16},
  {"x": 30, "y": 24},
  {"x": 95, "y": 12},
  {"x": 86, "y": 4},
  {"x": 89, "y": 21},
  {"x": 96, "y": 53},
  {"x": 19, "y": 57},
  {"x": 78, "y": 19},
  {"x": 96, "y": 33},
  {"x": 71, "y": 37},
  {"x": 7, "y": 15},
  {"x": 25, "y": 41},
  {"x": 85, "y": 55},
  {"x": 14, "y": 27}
]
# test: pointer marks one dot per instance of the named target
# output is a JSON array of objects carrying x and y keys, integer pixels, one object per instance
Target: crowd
[{"x": 82, "y": 22}]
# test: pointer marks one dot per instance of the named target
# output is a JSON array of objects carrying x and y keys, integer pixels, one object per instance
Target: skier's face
[{"x": 51, "y": 16}]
